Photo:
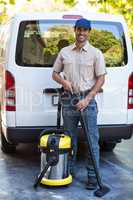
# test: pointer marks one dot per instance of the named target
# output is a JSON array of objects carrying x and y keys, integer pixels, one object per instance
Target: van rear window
[{"x": 40, "y": 41}]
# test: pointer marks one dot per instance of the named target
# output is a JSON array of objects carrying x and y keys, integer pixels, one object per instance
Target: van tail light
[
  {"x": 130, "y": 91},
  {"x": 10, "y": 92}
]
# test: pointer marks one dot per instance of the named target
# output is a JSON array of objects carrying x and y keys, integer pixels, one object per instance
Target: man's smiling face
[{"x": 81, "y": 34}]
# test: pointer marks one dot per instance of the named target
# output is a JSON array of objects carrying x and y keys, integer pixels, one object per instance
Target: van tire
[
  {"x": 7, "y": 147},
  {"x": 107, "y": 146}
]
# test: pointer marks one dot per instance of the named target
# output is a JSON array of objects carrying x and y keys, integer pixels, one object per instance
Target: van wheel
[
  {"x": 107, "y": 146},
  {"x": 7, "y": 147}
]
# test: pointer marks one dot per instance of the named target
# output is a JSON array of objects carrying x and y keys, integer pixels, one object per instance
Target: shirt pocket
[
  {"x": 87, "y": 69},
  {"x": 67, "y": 63},
  {"x": 86, "y": 62}
]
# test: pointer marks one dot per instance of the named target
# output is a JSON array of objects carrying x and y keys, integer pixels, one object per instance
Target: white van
[{"x": 29, "y": 44}]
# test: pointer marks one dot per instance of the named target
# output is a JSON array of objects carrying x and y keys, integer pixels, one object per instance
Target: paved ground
[{"x": 17, "y": 173}]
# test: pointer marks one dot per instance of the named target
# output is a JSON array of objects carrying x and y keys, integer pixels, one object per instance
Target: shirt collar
[{"x": 85, "y": 47}]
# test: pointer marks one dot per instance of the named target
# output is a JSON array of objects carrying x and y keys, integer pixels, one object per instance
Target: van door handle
[{"x": 52, "y": 90}]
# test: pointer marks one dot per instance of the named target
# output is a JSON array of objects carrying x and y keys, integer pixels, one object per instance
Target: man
[{"x": 84, "y": 72}]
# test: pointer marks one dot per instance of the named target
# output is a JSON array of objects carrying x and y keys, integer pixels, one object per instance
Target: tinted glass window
[{"x": 40, "y": 41}]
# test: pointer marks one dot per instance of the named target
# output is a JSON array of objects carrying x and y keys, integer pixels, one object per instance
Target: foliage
[
  {"x": 123, "y": 7},
  {"x": 114, "y": 56},
  {"x": 70, "y": 2},
  {"x": 58, "y": 33},
  {"x": 12, "y": 2},
  {"x": 3, "y": 3},
  {"x": 109, "y": 45},
  {"x": 7, "y": 2},
  {"x": 103, "y": 40}
]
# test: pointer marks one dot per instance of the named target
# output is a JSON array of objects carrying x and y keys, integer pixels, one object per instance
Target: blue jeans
[{"x": 71, "y": 118}]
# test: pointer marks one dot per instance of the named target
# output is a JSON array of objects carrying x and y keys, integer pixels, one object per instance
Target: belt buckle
[
  {"x": 81, "y": 93},
  {"x": 77, "y": 94}
]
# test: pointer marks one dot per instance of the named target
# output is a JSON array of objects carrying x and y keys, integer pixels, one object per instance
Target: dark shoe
[{"x": 92, "y": 183}]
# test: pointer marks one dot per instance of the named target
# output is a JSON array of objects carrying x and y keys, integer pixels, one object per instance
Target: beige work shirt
[{"x": 80, "y": 67}]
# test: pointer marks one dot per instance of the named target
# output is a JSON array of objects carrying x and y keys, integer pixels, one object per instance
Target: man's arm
[
  {"x": 57, "y": 77},
  {"x": 96, "y": 88},
  {"x": 66, "y": 84}
]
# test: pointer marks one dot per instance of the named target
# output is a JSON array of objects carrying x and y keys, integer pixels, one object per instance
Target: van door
[
  {"x": 37, "y": 47},
  {"x": 109, "y": 37},
  {"x": 38, "y": 44}
]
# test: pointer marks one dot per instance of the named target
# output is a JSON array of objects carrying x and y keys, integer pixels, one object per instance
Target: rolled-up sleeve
[
  {"x": 100, "y": 68},
  {"x": 58, "y": 64}
]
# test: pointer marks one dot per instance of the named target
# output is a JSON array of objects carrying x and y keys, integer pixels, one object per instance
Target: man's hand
[
  {"x": 67, "y": 85},
  {"x": 82, "y": 104}
]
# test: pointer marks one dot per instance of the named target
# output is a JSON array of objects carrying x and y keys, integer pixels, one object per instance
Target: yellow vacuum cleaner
[{"x": 56, "y": 150}]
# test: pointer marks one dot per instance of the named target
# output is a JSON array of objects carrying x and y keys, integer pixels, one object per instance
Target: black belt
[{"x": 80, "y": 93}]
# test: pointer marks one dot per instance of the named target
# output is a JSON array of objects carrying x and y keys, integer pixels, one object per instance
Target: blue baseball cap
[{"x": 83, "y": 23}]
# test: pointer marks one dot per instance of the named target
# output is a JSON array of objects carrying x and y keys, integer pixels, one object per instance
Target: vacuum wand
[
  {"x": 102, "y": 188},
  {"x": 40, "y": 176}
]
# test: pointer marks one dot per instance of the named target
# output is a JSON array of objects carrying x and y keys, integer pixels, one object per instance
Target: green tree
[
  {"x": 3, "y": 4},
  {"x": 71, "y": 3},
  {"x": 123, "y": 7},
  {"x": 103, "y": 40},
  {"x": 57, "y": 33},
  {"x": 3, "y": 8},
  {"x": 109, "y": 45}
]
